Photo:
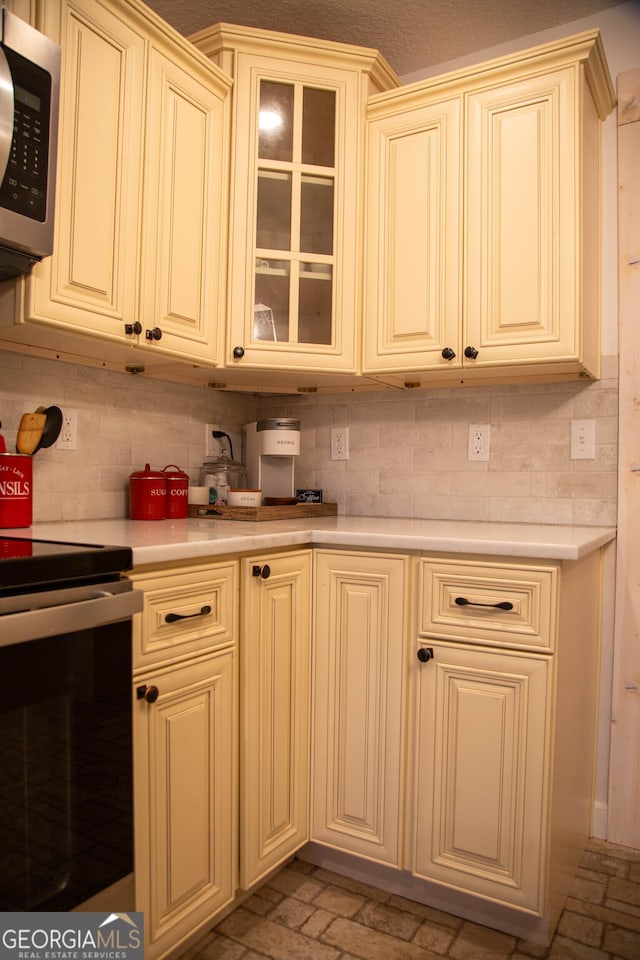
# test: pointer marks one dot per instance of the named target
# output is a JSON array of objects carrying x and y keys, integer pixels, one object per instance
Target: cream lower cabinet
[
  {"x": 454, "y": 714},
  {"x": 481, "y": 778},
  {"x": 138, "y": 269},
  {"x": 359, "y": 660},
  {"x": 483, "y": 220},
  {"x": 184, "y": 803},
  {"x": 504, "y": 696},
  {"x": 275, "y": 678},
  {"x": 185, "y": 716}
]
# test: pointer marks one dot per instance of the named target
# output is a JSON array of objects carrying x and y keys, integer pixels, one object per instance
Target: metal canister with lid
[
  {"x": 177, "y": 492},
  {"x": 148, "y": 494}
]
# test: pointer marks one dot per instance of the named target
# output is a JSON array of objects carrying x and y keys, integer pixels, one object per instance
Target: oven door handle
[{"x": 100, "y": 606}]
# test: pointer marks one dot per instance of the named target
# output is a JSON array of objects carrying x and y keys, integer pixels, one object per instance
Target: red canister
[
  {"x": 148, "y": 494},
  {"x": 177, "y": 491},
  {"x": 16, "y": 489}
]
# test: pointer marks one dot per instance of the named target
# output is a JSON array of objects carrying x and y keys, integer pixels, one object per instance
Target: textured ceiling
[{"x": 411, "y": 34}]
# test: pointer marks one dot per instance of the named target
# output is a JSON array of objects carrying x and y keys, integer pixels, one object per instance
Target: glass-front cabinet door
[
  {"x": 295, "y": 217},
  {"x": 297, "y": 196},
  {"x": 294, "y": 214}
]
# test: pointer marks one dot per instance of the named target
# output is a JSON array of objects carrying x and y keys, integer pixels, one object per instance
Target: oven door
[{"x": 65, "y": 751}]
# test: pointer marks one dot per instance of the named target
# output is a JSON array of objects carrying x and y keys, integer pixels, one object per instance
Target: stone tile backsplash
[{"x": 408, "y": 449}]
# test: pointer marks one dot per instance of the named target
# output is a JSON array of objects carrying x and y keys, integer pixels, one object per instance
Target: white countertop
[{"x": 175, "y": 540}]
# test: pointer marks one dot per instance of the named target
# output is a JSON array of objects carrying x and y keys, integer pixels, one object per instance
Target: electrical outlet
[
  {"x": 339, "y": 443},
  {"x": 211, "y": 446},
  {"x": 68, "y": 439},
  {"x": 479, "y": 436},
  {"x": 583, "y": 439}
]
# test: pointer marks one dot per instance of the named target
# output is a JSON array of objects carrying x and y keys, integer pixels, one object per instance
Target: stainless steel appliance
[
  {"x": 29, "y": 100},
  {"x": 66, "y": 775}
]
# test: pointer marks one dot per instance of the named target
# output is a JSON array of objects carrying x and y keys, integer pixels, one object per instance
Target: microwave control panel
[{"x": 24, "y": 187}]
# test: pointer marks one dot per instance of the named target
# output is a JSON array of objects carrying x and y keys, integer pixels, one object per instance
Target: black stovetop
[{"x": 27, "y": 565}]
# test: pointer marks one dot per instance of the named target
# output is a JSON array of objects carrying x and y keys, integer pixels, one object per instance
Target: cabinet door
[
  {"x": 480, "y": 805},
  {"x": 90, "y": 282},
  {"x": 523, "y": 220},
  {"x": 25, "y": 9},
  {"x": 295, "y": 233},
  {"x": 274, "y": 757},
  {"x": 185, "y": 797},
  {"x": 412, "y": 315},
  {"x": 358, "y": 742},
  {"x": 182, "y": 288}
]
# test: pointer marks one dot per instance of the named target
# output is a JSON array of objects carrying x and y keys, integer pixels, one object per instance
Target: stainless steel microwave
[{"x": 29, "y": 100}]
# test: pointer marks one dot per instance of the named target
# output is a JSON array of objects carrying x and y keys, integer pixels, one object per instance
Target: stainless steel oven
[{"x": 66, "y": 808}]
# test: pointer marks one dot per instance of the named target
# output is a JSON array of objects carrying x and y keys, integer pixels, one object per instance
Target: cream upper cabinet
[
  {"x": 275, "y": 666},
  {"x": 483, "y": 241},
  {"x": 26, "y": 9},
  {"x": 140, "y": 233},
  {"x": 412, "y": 311},
  {"x": 183, "y": 281},
  {"x": 91, "y": 281},
  {"x": 359, "y": 703},
  {"x": 296, "y": 196}
]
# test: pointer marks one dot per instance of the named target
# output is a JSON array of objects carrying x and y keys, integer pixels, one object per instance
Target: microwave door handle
[{"x": 7, "y": 107}]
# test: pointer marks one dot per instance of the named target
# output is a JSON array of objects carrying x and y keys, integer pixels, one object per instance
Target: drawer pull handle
[
  {"x": 425, "y": 654},
  {"x": 263, "y": 571},
  {"x": 503, "y": 605},
  {"x": 173, "y": 617}
]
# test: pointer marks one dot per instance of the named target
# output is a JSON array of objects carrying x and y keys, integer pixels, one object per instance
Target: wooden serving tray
[{"x": 293, "y": 511}]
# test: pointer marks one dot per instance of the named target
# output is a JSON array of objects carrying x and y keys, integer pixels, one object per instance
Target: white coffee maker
[{"x": 270, "y": 449}]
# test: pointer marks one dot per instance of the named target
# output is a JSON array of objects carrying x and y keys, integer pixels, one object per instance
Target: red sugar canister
[
  {"x": 177, "y": 491},
  {"x": 148, "y": 494},
  {"x": 16, "y": 489}
]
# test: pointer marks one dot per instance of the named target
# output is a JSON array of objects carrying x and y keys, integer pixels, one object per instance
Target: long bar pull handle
[
  {"x": 503, "y": 605},
  {"x": 202, "y": 612}
]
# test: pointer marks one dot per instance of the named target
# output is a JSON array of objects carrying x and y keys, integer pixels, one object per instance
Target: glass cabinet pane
[
  {"x": 273, "y": 220},
  {"x": 319, "y": 127},
  {"x": 315, "y": 304},
  {"x": 275, "y": 121},
  {"x": 316, "y": 215},
  {"x": 293, "y": 297},
  {"x": 271, "y": 301}
]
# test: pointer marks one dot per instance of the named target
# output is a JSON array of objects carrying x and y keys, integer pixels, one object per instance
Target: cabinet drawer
[
  {"x": 185, "y": 613},
  {"x": 495, "y": 603}
]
